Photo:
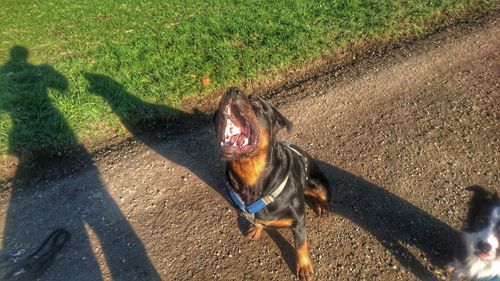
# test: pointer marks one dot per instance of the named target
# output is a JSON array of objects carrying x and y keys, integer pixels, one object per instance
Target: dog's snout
[
  {"x": 483, "y": 246},
  {"x": 234, "y": 92},
  {"x": 234, "y": 96}
]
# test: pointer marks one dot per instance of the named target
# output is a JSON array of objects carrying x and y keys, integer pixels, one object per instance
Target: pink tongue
[
  {"x": 483, "y": 255},
  {"x": 241, "y": 139},
  {"x": 234, "y": 139},
  {"x": 238, "y": 139}
]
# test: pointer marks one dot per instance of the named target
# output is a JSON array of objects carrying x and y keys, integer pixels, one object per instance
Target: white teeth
[
  {"x": 245, "y": 142},
  {"x": 231, "y": 129}
]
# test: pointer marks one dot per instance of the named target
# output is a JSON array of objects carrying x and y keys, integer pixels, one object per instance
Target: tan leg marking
[
  {"x": 304, "y": 265},
  {"x": 255, "y": 232},
  {"x": 285, "y": 222},
  {"x": 319, "y": 199}
]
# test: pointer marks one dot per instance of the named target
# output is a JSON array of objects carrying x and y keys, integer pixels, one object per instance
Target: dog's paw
[
  {"x": 254, "y": 233},
  {"x": 305, "y": 271},
  {"x": 321, "y": 208}
]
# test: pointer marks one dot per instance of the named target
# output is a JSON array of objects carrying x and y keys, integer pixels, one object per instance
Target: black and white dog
[{"x": 477, "y": 255}]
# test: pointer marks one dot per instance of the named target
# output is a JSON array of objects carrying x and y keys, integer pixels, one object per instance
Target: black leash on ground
[{"x": 34, "y": 265}]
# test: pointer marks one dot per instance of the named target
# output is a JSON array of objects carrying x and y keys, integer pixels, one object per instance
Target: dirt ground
[{"x": 400, "y": 134}]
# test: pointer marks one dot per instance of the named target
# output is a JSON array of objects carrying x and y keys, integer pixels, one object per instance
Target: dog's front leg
[
  {"x": 303, "y": 262},
  {"x": 255, "y": 232}
]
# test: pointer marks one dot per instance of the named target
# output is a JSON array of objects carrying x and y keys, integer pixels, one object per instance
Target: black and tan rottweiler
[{"x": 268, "y": 179}]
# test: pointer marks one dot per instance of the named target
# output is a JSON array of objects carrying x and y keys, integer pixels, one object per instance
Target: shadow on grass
[
  {"x": 82, "y": 206},
  {"x": 198, "y": 154},
  {"x": 37, "y": 125}
]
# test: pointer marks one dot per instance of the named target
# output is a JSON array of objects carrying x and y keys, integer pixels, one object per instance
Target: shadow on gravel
[
  {"x": 83, "y": 207},
  {"x": 199, "y": 154},
  {"x": 395, "y": 222}
]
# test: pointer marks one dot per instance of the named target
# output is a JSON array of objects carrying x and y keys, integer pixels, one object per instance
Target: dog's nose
[
  {"x": 235, "y": 92},
  {"x": 483, "y": 246}
]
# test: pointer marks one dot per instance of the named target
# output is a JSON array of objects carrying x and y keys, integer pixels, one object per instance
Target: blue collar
[{"x": 258, "y": 205}]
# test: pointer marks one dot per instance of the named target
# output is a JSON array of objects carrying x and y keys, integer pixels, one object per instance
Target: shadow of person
[
  {"x": 35, "y": 119},
  {"x": 82, "y": 206},
  {"x": 137, "y": 115},
  {"x": 396, "y": 223}
]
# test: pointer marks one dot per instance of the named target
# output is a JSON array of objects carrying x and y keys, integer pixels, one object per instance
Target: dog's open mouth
[
  {"x": 237, "y": 127},
  {"x": 482, "y": 255},
  {"x": 237, "y": 136}
]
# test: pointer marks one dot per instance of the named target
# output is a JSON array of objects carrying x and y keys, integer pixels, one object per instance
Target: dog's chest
[{"x": 483, "y": 270}]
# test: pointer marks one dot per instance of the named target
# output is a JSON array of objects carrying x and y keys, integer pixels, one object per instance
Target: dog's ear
[
  {"x": 480, "y": 198},
  {"x": 281, "y": 121},
  {"x": 480, "y": 193}
]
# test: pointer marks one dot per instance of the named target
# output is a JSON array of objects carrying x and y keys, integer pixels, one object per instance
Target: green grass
[{"x": 153, "y": 54}]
